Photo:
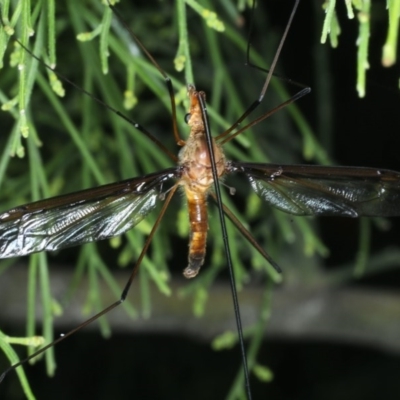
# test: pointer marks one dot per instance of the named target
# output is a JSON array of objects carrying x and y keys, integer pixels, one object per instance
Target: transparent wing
[
  {"x": 320, "y": 190},
  {"x": 76, "y": 218}
]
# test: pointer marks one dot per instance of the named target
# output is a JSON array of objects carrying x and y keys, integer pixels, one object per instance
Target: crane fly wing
[
  {"x": 76, "y": 218},
  {"x": 321, "y": 190}
]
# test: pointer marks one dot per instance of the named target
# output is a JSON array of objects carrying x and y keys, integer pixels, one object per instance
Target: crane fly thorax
[
  {"x": 196, "y": 163},
  {"x": 194, "y": 156}
]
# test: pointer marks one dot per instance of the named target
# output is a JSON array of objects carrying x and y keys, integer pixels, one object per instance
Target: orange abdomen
[{"x": 197, "y": 207}]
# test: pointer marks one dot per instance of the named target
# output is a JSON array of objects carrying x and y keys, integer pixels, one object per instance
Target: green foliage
[
  {"x": 363, "y": 13},
  {"x": 57, "y": 140}
]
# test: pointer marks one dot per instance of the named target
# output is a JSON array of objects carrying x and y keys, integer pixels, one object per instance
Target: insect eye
[{"x": 187, "y": 117}]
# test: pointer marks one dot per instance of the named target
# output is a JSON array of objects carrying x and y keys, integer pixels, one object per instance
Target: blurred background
[{"x": 328, "y": 327}]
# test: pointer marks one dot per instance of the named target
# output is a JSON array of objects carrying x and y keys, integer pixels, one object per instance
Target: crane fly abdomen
[
  {"x": 197, "y": 179},
  {"x": 197, "y": 206}
]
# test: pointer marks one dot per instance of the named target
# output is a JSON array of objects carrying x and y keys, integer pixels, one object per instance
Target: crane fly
[{"x": 110, "y": 210}]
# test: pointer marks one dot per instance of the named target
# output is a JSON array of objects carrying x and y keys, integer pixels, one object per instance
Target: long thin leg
[
  {"x": 137, "y": 126},
  {"x": 267, "y": 114},
  {"x": 226, "y": 246},
  {"x": 257, "y": 102},
  {"x": 247, "y": 235},
  {"x": 179, "y": 141},
  {"x": 113, "y": 305}
]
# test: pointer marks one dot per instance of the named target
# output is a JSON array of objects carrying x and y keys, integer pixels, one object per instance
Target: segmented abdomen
[{"x": 197, "y": 207}]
